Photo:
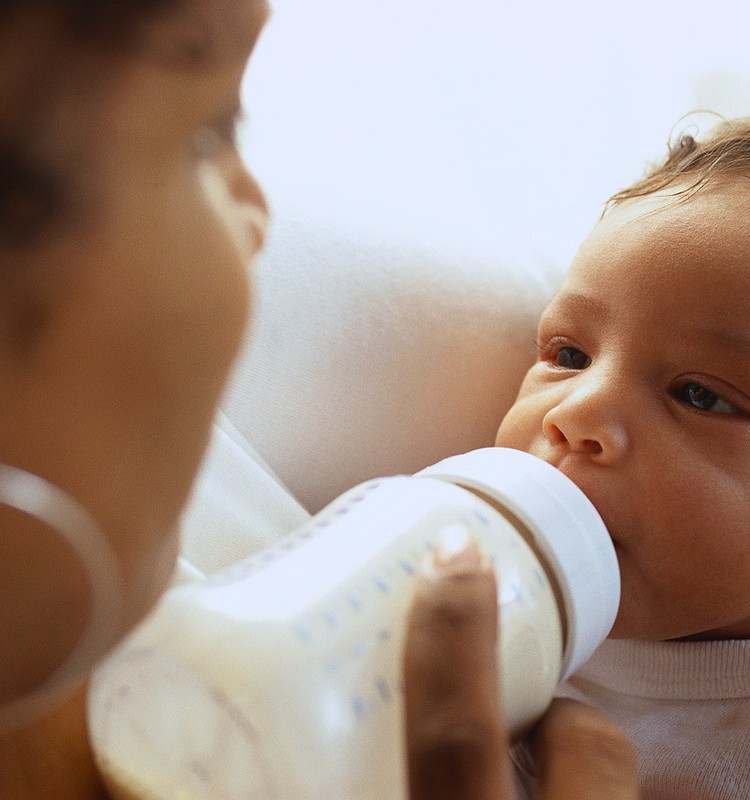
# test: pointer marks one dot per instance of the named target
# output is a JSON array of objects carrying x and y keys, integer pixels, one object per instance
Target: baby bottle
[{"x": 280, "y": 678}]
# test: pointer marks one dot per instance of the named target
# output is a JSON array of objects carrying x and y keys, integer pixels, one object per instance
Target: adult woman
[{"x": 127, "y": 220}]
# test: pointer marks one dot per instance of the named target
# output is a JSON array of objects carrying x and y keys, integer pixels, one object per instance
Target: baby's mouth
[{"x": 600, "y": 507}]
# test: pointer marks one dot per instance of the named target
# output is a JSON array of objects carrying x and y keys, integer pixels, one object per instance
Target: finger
[
  {"x": 582, "y": 755},
  {"x": 456, "y": 744}
]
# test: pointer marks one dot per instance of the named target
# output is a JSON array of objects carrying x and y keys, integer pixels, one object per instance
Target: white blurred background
[
  {"x": 481, "y": 123},
  {"x": 433, "y": 166}
]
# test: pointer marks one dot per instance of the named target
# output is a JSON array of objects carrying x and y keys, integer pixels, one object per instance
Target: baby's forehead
[
  {"x": 667, "y": 268},
  {"x": 671, "y": 227},
  {"x": 725, "y": 198}
]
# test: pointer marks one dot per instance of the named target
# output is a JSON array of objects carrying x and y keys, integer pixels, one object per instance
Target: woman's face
[{"x": 146, "y": 295}]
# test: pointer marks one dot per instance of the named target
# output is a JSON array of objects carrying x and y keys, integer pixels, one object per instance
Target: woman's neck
[{"x": 52, "y": 757}]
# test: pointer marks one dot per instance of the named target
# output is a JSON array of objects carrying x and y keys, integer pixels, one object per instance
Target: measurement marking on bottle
[
  {"x": 358, "y": 706},
  {"x": 354, "y": 602},
  {"x": 384, "y": 690},
  {"x": 359, "y": 650},
  {"x": 384, "y": 586},
  {"x": 481, "y": 518},
  {"x": 407, "y": 567}
]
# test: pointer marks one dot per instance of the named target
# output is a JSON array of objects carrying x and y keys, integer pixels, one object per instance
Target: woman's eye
[
  {"x": 699, "y": 396},
  {"x": 571, "y": 358},
  {"x": 211, "y": 140}
]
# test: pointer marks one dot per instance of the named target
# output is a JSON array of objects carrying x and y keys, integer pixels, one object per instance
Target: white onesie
[{"x": 685, "y": 706}]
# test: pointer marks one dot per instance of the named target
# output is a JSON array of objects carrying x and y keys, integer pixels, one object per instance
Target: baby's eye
[
  {"x": 571, "y": 358},
  {"x": 699, "y": 396}
]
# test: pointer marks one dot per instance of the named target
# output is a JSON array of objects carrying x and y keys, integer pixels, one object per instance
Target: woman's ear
[{"x": 60, "y": 595}]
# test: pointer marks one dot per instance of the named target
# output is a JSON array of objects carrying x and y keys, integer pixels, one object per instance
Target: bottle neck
[{"x": 531, "y": 540}]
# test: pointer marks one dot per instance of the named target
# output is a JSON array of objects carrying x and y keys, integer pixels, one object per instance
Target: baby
[{"x": 641, "y": 395}]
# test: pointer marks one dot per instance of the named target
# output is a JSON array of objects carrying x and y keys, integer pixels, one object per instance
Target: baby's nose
[{"x": 587, "y": 421}]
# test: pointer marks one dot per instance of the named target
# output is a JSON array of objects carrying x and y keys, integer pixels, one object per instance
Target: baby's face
[{"x": 641, "y": 395}]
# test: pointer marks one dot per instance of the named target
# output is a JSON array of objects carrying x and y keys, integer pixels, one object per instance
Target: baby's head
[
  {"x": 127, "y": 224},
  {"x": 641, "y": 389}
]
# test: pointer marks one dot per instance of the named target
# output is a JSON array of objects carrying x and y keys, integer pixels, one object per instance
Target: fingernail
[{"x": 457, "y": 552}]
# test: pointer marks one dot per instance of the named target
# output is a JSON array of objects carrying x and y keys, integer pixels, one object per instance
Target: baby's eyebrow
[
  {"x": 579, "y": 303},
  {"x": 725, "y": 338}
]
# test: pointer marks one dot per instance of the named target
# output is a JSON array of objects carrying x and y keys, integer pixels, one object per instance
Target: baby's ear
[{"x": 370, "y": 356}]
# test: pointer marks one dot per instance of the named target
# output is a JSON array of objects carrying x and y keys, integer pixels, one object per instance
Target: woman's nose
[
  {"x": 249, "y": 203},
  {"x": 589, "y": 420},
  {"x": 246, "y": 189}
]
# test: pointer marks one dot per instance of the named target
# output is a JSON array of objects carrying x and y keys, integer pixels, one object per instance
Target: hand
[
  {"x": 457, "y": 745},
  {"x": 581, "y": 754}
]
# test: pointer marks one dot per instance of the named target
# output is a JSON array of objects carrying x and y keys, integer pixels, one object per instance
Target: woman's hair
[
  {"x": 33, "y": 191},
  {"x": 694, "y": 161},
  {"x": 106, "y": 19}
]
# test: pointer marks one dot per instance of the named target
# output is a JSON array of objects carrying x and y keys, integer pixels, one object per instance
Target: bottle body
[{"x": 280, "y": 678}]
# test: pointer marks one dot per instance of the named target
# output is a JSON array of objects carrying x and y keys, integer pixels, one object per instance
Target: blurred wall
[
  {"x": 495, "y": 123},
  {"x": 432, "y": 167}
]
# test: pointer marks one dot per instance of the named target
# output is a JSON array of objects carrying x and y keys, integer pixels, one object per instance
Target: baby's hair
[{"x": 694, "y": 161}]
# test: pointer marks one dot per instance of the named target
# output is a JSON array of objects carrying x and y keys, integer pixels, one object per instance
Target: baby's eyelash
[
  {"x": 542, "y": 347},
  {"x": 562, "y": 352},
  {"x": 546, "y": 346}
]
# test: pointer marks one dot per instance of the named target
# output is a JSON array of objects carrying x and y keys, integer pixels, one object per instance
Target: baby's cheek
[
  {"x": 514, "y": 428},
  {"x": 523, "y": 421}
]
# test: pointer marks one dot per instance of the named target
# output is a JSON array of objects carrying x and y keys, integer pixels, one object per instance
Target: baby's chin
[
  {"x": 639, "y": 630},
  {"x": 637, "y": 623}
]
